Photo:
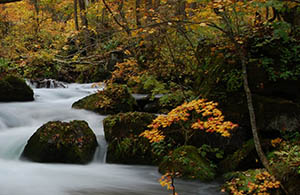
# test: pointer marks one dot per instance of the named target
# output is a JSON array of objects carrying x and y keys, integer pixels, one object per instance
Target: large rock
[
  {"x": 189, "y": 164},
  {"x": 14, "y": 89},
  {"x": 112, "y": 100},
  {"x": 126, "y": 124},
  {"x": 273, "y": 115},
  {"x": 242, "y": 159},
  {"x": 62, "y": 142},
  {"x": 125, "y": 145}
]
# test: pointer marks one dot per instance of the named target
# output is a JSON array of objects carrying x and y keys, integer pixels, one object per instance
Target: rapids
[{"x": 19, "y": 120}]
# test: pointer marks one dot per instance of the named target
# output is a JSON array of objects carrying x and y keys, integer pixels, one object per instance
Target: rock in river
[{"x": 62, "y": 142}]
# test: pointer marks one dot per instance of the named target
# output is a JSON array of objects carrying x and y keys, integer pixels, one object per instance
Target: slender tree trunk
[
  {"x": 137, "y": 12},
  {"x": 76, "y": 15},
  {"x": 180, "y": 8},
  {"x": 156, "y": 4},
  {"x": 82, "y": 7},
  {"x": 242, "y": 57},
  {"x": 149, "y": 4},
  {"x": 121, "y": 12},
  {"x": 37, "y": 13},
  {"x": 257, "y": 144},
  {"x": 256, "y": 140}
]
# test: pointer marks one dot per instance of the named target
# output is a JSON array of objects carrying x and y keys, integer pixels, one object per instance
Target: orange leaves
[
  {"x": 127, "y": 70},
  {"x": 153, "y": 135},
  {"x": 276, "y": 142},
  {"x": 253, "y": 182},
  {"x": 198, "y": 114},
  {"x": 167, "y": 180}
]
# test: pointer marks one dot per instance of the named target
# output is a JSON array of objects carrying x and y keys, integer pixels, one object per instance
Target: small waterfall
[{"x": 46, "y": 83}]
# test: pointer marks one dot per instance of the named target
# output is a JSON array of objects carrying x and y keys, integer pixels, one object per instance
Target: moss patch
[
  {"x": 126, "y": 124},
  {"x": 242, "y": 159},
  {"x": 187, "y": 161},
  {"x": 112, "y": 100}
]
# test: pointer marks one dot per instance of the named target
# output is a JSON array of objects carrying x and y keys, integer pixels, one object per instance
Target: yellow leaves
[
  {"x": 203, "y": 24},
  {"x": 276, "y": 142},
  {"x": 258, "y": 182},
  {"x": 197, "y": 114},
  {"x": 166, "y": 180},
  {"x": 153, "y": 135}
]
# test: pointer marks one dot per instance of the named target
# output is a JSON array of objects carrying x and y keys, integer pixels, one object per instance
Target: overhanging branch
[{"x": 8, "y": 1}]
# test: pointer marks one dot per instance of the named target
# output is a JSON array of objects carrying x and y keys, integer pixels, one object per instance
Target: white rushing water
[{"x": 18, "y": 121}]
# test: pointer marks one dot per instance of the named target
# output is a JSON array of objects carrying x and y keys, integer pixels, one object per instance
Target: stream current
[{"x": 19, "y": 120}]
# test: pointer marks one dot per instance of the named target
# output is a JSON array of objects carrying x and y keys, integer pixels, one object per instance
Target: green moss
[
  {"x": 88, "y": 103},
  {"x": 125, "y": 145},
  {"x": 126, "y": 124},
  {"x": 239, "y": 159},
  {"x": 14, "y": 89},
  {"x": 131, "y": 150},
  {"x": 188, "y": 162},
  {"x": 112, "y": 100}
]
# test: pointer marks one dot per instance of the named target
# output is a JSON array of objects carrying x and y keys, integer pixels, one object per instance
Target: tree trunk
[
  {"x": 121, "y": 12},
  {"x": 180, "y": 8},
  {"x": 148, "y": 4},
  {"x": 82, "y": 7},
  {"x": 37, "y": 12},
  {"x": 76, "y": 15},
  {"x": 156, "y": 4},
  {"x": 257, "y": 144},
  {"x": 137, "y": 12}
]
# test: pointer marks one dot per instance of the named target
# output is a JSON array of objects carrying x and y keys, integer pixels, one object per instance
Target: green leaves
[{"x": 281, "y": 30}]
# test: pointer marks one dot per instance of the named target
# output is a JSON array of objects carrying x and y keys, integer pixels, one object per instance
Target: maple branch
[{"x": 8, "y": 1}]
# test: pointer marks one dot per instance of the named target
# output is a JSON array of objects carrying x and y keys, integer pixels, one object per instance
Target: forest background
[{"x": 245, "y": 55}]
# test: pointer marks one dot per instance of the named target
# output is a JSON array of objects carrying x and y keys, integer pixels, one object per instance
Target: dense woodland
[{"x": 224, "y": 74}]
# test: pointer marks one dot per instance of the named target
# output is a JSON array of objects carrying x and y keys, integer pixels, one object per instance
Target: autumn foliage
[
  {"x": 258, "y": 182},
  {"x": 198, "y": 114}
]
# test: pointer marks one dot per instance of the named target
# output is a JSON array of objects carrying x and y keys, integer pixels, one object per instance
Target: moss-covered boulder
[
  {"x": 14, "y": 89},
  {"x": 126, "y": 124},
  {"x": 242, "y": 159},
  {"x": 189, "y": 164},
  {"x": 124, "y": 143},
  {"x": 112, "y": 100},
  {"x": 62, "y": 142}
]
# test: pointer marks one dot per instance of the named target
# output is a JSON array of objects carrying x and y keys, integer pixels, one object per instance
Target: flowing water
[{"x": 18, "y": 121}]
